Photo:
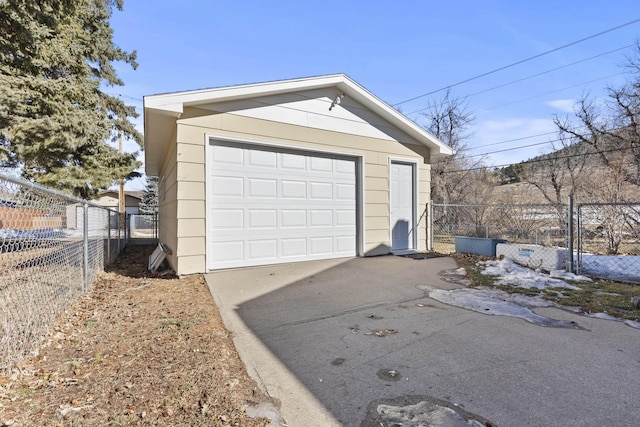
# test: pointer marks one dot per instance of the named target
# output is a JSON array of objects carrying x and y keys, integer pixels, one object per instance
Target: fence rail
[
  {"x": 52, "y": 247},
  {"x": 604, "y": 243}
]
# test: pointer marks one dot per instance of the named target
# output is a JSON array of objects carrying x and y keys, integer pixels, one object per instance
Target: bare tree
[
  {"x": 611, "y": 129},
  {"x": 557, "y": 174},
  {"x": 608, "y": 134},
  {"x": 454, "y": 178}
]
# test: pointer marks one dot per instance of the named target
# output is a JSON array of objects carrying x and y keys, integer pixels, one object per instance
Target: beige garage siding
[
  {"x": 184, "y": 175},
  {"x": 168, "y": 203}
]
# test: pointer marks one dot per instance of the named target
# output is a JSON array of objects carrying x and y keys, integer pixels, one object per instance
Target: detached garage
[{"x": 286, "y": 171}]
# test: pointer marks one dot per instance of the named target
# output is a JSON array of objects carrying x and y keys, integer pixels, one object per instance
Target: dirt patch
[{"x": 138, "y": 349}]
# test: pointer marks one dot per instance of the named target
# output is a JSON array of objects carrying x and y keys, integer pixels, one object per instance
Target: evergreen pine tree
[
  {"x": 55, "y": 120},
  {"x": 149, "y": 203}
]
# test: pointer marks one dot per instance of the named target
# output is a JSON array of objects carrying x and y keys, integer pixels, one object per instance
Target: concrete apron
[
  {"x": 330, "y": 340},
  {"x": 233, "y": 288}
]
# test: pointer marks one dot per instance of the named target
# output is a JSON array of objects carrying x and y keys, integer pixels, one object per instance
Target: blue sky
[{"x": 397, "y": 50}]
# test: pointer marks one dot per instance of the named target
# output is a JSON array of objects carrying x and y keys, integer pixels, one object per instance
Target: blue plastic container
[{"x": 477, "y": 245}]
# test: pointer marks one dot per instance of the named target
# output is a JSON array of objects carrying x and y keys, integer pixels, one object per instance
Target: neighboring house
[
  {"x": 286, "y": 171},
  {"x": 110, "y": 199}
]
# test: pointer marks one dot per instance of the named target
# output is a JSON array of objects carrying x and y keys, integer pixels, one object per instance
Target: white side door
[{"x": 402, "y": 207}]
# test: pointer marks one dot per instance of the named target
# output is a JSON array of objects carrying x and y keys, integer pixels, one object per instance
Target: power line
[
  {"x": 536, "y": 75},
  {"x": 551, "y": 92},
  {"x": 539, "y": 160},
  {"x": 119, "y": 95},
  {"x": 515, "y": 148},
  {"x": 551, "y": 70},
  {"x": 520, "y": 62},
  {"x": 507, "y": 141},
  {"x": 531, "y": 145}
]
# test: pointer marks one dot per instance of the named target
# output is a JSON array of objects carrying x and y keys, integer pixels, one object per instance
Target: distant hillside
[{"x": 530, "y": 180}]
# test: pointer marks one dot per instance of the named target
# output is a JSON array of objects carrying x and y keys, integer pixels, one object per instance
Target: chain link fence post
[
  {"x": 85, "y": 246},
  {"x": 579, "y": 242},
  {"x": 430, "y": 225},
  {"x": 108, "y": 238},
  {"x": 571, "y": 262}
]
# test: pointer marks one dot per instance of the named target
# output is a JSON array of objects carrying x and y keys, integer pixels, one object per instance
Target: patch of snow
[
  {"x": 516, "y": 275},
  {"x": 632, "y": 323},
  {"x": 458, "y": 272},
  {"x": 496, "y": 302},
  {"x": 615, "y": 267},
  {"x": 424, "y": 414},
  {"x": 561, "y": 274},
  {"x": 606, "y": 316},
  {"x": 500, "y": 303},
  {"x": 606, "y": 293},
  {"x": 601, "y": 316}
]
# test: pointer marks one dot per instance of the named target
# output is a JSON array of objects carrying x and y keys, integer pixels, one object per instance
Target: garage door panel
[
  {"x": 263, "y": 249},
  {"x": 345, "y": 218},
  {"x": 293, "y": 189},
  {"x": 274, "y": 205},
  {"x": 225, "y": 219},
  {"x": 321, "y": 245},
  {"x": 262, "y": 158},
  {"x": 345, "y": 192},
  {"x": 261, "y": 187},
  {"x": 222, "y": 155},
  {"x": 320, "y": 190},
  {"x": 228, "y": 250},
  {"x": 228, "y": 186},
  {"x": 345, "y": 244},
  {"x": 321, "y": 164},
  {"x": 293, "y": 218},
  {"x": 262, "y": 218},
  {"x": 293, "y": 247},
  {"x": 293, "y": 162},
  {"x": 346, "y": 167},
  {"x": 321, "y": 218}
]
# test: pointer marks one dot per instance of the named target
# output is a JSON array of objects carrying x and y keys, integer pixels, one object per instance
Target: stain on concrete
[
  {"x": 338, "y": 361},
  {"x": 382, "y": 332},
  {"x": 389, "y": 375}
]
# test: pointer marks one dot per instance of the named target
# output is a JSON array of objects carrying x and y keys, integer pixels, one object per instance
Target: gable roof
[{"x": 162, "y": 110}]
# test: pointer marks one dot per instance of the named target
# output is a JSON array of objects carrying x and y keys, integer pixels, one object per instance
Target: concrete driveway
[{"x": 332, "y": 341}]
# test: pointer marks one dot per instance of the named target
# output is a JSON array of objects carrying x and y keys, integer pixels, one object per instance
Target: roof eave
[{"x": 163, "y": 109}]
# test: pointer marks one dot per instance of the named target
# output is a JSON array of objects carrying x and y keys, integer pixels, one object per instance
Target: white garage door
[{"x": 268, "y": 206}]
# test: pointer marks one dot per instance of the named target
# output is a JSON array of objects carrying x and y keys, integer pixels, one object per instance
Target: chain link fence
[
  {"x": 609, "y": 240},
  {"x": 604, "y": 243},
  {"x": 52, "y": 247},
  {"x": 142, "y": 229}
]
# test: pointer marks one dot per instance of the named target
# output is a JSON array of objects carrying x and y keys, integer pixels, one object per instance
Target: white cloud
[{"x": 565, "y": 105}]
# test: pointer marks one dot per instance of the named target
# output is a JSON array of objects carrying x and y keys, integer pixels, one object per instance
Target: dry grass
[{"x": 136, "y": 350}]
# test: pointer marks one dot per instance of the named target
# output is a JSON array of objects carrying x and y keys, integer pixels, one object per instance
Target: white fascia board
[
  {"x": 169, "y": 101},
  {"x": 383, "y": 109},
  {"x": 161, "y": 103}
]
